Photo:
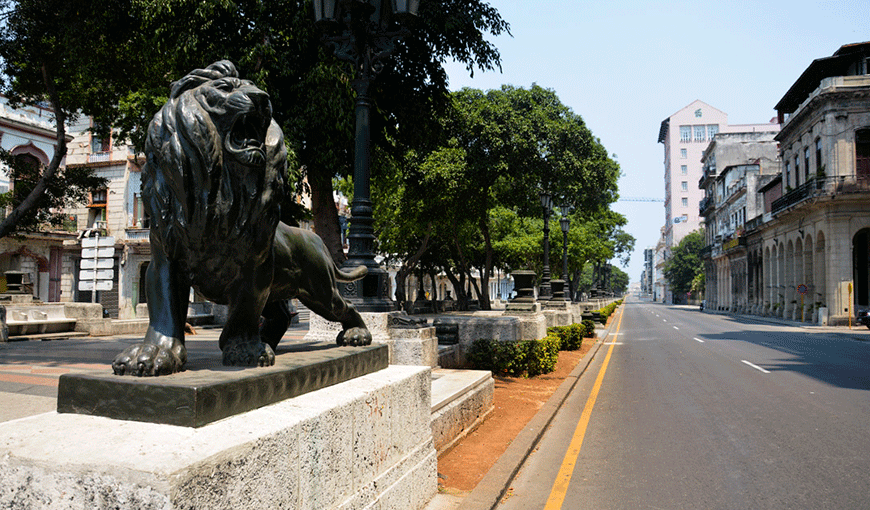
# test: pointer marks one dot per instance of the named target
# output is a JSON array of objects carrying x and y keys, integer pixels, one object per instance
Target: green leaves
[{"x": 685, "y": 263}]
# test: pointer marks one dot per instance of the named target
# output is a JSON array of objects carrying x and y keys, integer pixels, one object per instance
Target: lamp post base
[{"x": 372, "y": 292}]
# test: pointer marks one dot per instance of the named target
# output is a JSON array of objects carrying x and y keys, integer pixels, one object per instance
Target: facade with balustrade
[
  {"x": 734, "y": 165},
  {"x": 115, "y": 211},
  {"x": 818, "y": 231}
]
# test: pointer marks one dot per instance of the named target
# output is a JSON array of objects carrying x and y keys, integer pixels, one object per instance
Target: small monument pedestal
[
  {"x": 556, "y": 310},
  {"x": 411, "y": 341},
  {"x": 533, "y": 324}
]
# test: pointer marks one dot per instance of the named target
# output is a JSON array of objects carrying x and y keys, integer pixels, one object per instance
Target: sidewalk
[
  {"x": 855, "y": 332},
  {"x": 497, "y": 480}
]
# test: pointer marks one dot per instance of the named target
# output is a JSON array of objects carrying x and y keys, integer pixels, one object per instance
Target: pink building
[{"x": 685, "y": 135}]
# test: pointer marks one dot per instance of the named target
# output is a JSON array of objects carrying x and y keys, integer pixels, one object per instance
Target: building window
[
  {"x": 712, "y": 130},
  {"x": 806, "y": 164},
  {"x": 140, "y": 218},
  {"x": 786, "y": 174},
  {"x": 684, "y": 202},
  {"x": 797, "y": 169},
  {"x": 685, "y": 133},
  {"x": 862, "y": 153},
  {"x": 700, "y": 133},
  {"x": 684, "y": 153},
  {"x": 819, "y": 164},
  {"x": 684, "y": 186},
  {"x": 99, "y": 197},
  {"x": 698, "y": 113},
  {"x": 684, "y": 170}
]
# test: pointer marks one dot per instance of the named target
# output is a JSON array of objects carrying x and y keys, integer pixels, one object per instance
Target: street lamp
[
  {"x": 365, "y": 40},
  {"x": 565, "y": 223},
  {"x": 546, "y": 292}
]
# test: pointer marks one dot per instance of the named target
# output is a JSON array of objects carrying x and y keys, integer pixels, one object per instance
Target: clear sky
[{"x": 625, "y": 66}]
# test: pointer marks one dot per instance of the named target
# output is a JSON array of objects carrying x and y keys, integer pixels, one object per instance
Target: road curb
[{"x": 487, "y": 494}]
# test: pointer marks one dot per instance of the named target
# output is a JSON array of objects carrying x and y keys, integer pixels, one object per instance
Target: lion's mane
[{"x": 214, "y": 174}]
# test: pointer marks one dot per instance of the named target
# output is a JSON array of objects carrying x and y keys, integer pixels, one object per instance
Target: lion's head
[{"x": 215, "y": 159}]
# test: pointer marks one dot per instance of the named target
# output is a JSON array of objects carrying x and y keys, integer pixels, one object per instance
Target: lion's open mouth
[{"x": 246, "y": 140}]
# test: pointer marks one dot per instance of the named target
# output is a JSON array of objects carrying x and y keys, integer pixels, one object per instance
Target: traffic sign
[
  {"x": 98, "y": 242},
  {"x": 98, "y": 263},
  {"x": 101, "y": 274},
  {"x": 802, "y": 289},
  {"x": 90, "y": 253},
  {"x": 95, "y": 285}
]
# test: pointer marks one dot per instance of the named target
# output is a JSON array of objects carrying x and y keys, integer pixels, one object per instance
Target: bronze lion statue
[{"x": 212, "y": 184}]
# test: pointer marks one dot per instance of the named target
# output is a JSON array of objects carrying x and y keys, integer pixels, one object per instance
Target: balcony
[
  {"x": 705, "y": 205},
  {"x": 99, "y": 157},
  {"x": 824, "y": 186}
]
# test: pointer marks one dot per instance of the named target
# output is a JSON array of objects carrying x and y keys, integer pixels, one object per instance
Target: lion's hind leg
[{"x": 335, "y": 308}]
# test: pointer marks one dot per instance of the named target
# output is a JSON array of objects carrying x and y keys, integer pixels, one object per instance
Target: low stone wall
[{"x": 365, "y": 443}]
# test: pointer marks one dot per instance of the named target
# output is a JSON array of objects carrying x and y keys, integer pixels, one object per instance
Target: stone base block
[
  {"x": 461, "y": 400},
  {"x": 484, "y": 326},
  {"x": 414, "y": 346},
  {"x": 365, "y": 443},
  {"x": 558, "y": 317},
  {"x": 533, "y": 326}
]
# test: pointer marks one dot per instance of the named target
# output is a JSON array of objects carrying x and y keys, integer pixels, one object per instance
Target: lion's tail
[{"x": 350, "y": 275}]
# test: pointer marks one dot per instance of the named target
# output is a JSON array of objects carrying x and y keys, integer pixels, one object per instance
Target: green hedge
[
  {"x": 529, "y": 358},
  {"x": 526, "y": 358},
  {"x": 570, "y": 337},
  {"x": 608, "y": 310}
]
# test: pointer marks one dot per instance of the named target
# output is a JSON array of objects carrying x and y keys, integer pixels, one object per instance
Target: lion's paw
[
  {"x": 355, "y": 337},
  {"x": 147, "y": 359},
  {"x": 249, "y": 355}
]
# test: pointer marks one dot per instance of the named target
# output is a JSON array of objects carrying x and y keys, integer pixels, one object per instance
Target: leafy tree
[
  {"x": 685, "y": 263},
  {"x": 118, "y": 57},
  {"x": 47, "y": 51}
]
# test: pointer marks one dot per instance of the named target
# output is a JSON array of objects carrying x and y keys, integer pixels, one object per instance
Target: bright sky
[{"x": 625, "y": 66}]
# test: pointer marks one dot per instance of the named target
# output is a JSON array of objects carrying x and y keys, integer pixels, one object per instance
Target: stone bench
[{"x": 37, "y": 319}]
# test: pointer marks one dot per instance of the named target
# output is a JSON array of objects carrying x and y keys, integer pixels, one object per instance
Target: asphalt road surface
[{"x": 701, "y": 411}]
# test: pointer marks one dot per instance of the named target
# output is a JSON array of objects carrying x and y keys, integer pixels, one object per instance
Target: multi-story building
[
  {"x": 817, "y": 242},
  {"x": 685, "y": 135},
  {"x": 734, "y": 165},
  {"x": 29, "y": 133},
  {"x": 647, "y": 277},
  {"x": 115, "y": 211}
]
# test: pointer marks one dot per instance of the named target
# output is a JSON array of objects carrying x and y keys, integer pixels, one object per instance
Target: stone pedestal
[
  {"x": 558, "y": 316},
  {"x": 533, "y": 324},
  {"x": 364, "y": 443},
  {"x": 408, "y": 346}
]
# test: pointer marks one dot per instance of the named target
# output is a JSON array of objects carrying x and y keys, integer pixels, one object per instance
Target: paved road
[{"x": 707, "y": 411}]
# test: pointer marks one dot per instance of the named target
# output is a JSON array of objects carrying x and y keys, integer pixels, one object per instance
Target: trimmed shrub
[
  {"x": 570, "y": 337},
  {"x": 526, "y": 358},
  {"x": 588, "y": 328}
]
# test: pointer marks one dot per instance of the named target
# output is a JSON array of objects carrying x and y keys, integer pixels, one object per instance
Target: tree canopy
[
  {"x": 114, "y": 60},
  {"x": 473, "y": 201},
  {"x": 685, "y": 263}
]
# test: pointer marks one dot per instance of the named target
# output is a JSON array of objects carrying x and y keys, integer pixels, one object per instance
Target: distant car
[{"x": 863, "y": 317}]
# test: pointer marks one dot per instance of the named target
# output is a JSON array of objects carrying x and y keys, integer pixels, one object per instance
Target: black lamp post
[
  {"x": 365, "y": 40},
  {"x": 545, "y": 292},
  {"x": 565, "y": 223}
]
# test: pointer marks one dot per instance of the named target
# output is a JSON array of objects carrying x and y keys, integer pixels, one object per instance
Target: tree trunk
[
  {"x": 485, "y": 303},
  {"x": 458, "y": 288},
  {"x": 326, "y": 215}
]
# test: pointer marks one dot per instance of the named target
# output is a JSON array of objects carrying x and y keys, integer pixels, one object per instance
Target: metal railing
[{"x": 818, "y": 186}]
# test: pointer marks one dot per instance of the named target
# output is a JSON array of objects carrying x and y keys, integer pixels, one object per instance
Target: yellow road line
[{"x": 563, "y": 478}]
